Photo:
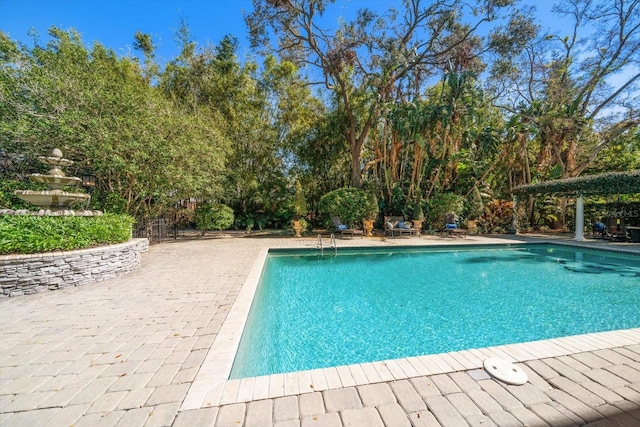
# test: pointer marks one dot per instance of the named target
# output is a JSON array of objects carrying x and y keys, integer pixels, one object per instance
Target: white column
[
  {"x": 579, "y": 219},
  {"x": 514, "y": 222}
]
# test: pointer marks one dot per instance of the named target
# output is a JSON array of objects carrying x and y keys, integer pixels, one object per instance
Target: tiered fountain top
[
  {"x": 54, "y": 201},
  {"x": 55, "y": 179}
]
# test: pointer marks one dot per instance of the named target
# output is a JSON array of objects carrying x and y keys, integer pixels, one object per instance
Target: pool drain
[{"x": 505, "y": 371}]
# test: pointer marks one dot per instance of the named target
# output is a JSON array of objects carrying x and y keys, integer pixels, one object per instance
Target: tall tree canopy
[
  {"x": 578, "y": 91},
  {"x": 374, "y": 59},
  {"x": 101, "y": 112}
]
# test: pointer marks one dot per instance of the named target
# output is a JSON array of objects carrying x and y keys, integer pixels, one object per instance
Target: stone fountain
[
  {"x": 24, "y": 274},
  {"x": 54, "y": 201}
]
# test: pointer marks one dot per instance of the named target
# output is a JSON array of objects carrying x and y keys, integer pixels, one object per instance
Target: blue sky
[{"x": 114, "y": 22}]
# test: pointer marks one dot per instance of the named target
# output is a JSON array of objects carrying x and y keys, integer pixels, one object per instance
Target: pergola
[{"x": 601, "y": 184}]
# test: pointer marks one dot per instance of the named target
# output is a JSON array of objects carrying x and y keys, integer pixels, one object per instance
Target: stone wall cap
[{"x": 54, "y": 254}]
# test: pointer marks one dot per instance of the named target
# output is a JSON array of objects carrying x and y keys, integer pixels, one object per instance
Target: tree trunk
[{"x": 356, "y": 179}]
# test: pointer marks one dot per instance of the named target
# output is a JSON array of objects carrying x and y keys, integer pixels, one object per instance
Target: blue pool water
[{"x": 367, "y": 305}]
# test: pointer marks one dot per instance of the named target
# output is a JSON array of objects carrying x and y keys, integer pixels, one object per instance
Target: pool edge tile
[
  {"x": 280, "y": 385},
  {"x": 333, "y": 379},
  {"x": 276, "y": 386},
  {"x": 370, "y": 371},
  {"x": 407, "y": 367},
  {"x": 418, "y": 366},
  {"x": 230, "y": 392},
  {"x": 383, "y": 371},
  {"x": 346, "y": 378},
  {"x": 305, "y": 382},
  {"x": 290, "y": 383},
  {"x": 216, "y": 367},
  {"x": 319, "y": 381},
  {"x": 358, "y": 374},
  {"x": 245, "y": 391},
  {"x": 261, "y": 388},
  {"x": 430, "y": 364}
]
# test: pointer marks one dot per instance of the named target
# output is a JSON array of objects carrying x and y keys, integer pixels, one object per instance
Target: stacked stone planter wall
[{"x": 29, "y": 274}]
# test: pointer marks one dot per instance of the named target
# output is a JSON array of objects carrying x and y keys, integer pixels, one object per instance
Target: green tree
[
  {"x": 319, "y": 155},
  {"x": 365, "y": 60},
  {"x": 621, "y": 154},
  {"x": 571, "y": 94},
  {"x": 577, "y": 91},
  {"x": 101, "y": 112},
  {"x": 265, "y": 110}
]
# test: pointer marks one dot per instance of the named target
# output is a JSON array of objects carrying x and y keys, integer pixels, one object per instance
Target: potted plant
[
  {"x": 476, "y": 209},
  {"x": 418, "y": 214},
  {"x": 299, "y": 209},
  {"x": 370, "y": 214}
]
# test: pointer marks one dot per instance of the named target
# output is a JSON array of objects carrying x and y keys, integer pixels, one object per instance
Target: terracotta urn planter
[
  {"x": 368, "y": 227},
  {"x": 417, "y": 223},
  {"x": 297, "y": 227}
]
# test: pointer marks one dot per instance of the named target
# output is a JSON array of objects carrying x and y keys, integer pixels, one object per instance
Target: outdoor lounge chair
[
  {"x": 598, "y": 230},
  {"x": 616, "y": 230},
  {"x": 344, "y": 230},
  {"x": 396, "y": 226},
  {"x": 451, "y": 228}
]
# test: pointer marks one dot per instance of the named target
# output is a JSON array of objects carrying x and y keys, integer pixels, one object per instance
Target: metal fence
[{"x": 155, "y": 229}]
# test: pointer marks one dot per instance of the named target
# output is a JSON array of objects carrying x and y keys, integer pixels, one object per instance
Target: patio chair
[
  {"x": 616, "y": 230},
  {"x": 396, "y": 226},
  {"x": 344, "y": 230},
  {"x": 451, "y": 228},
  {"x": 598, "y": 230}
]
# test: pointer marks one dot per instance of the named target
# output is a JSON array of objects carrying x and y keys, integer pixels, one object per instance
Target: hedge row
[
  {"x": 26, "y": 234},
  {"x": 606, "y": 183}
]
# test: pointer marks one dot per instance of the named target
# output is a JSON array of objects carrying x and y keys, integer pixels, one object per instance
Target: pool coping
[{"x": 212, "y": 388}]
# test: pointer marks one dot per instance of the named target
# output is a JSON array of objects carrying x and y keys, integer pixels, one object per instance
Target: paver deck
[{"x": 134, "y": 352}]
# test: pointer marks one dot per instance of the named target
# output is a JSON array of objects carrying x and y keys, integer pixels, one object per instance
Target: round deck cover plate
[{"x": 505, "y": 371}]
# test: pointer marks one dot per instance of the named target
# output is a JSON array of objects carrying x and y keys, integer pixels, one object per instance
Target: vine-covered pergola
[{"x": 601, "y": 184}]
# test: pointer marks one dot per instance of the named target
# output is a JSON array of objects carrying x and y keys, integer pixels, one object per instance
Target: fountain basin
[
  {"x": 55, "y": 160},
  {"x": 54, "y": 200},
  {"x": 56, "y": 182}
]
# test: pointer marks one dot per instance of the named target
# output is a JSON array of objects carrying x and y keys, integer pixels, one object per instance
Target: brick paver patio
[{"x": 125, "y": 352}]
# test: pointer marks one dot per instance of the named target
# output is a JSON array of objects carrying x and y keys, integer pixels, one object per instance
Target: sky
[{"x": 113, "y": 23}]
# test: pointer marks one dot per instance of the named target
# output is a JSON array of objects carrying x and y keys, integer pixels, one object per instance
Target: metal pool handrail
[{"x": 333, "y": 244}]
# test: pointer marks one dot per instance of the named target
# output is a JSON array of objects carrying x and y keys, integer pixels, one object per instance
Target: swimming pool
[{"x": 366, "y": 305}]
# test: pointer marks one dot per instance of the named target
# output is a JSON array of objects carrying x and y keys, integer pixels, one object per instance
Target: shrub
[
  {"x": 299, "y": 202},
  {"x": 439, "y": 205},
  {"x": 475, "y": 209},
  {"x": 26, "y": 234},
  {"x": 606, "y": 183},
  {"x": 398, "y": 204},
  {"x": 372, "y": 207},
  {"x": 213, "y": 216},
  {"x": 418, "y": 213},
  {"x": 350, "y": 204},
  {"x": 115, "y": 203},
  {"x": 184, "y": 217},
  {"x": 498, "y": 217},
  {"x": 8, "y": 200}
]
